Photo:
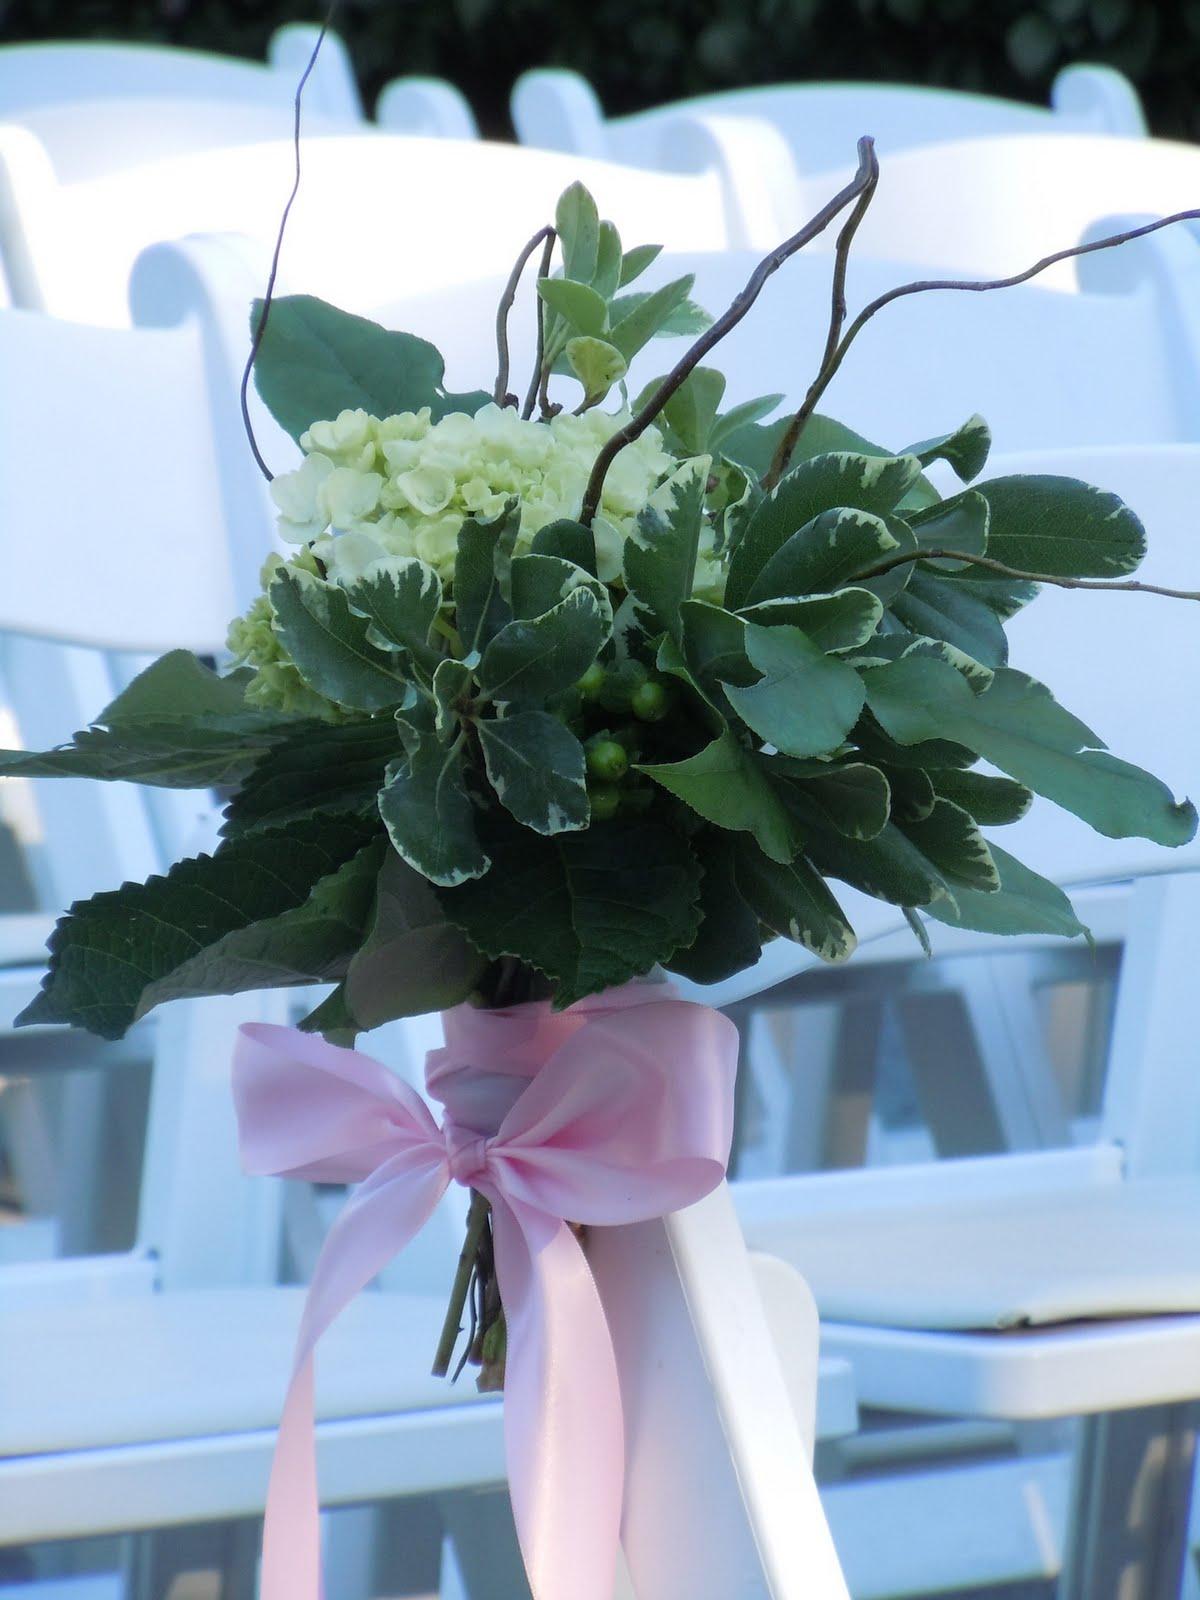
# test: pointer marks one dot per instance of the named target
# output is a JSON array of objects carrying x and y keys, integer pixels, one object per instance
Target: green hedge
[{"x": 639, "y": 55}]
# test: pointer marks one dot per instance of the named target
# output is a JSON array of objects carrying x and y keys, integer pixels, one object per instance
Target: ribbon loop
[{"x": 615, "y": 1110}]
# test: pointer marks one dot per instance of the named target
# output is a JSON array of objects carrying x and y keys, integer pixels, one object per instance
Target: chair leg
[
  {"x": 1130, "y": 1505},
  {"x": 480, "y": 1528}
]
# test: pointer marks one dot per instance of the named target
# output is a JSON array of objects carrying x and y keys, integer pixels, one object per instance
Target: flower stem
[{"x": 451, "y": 1328}]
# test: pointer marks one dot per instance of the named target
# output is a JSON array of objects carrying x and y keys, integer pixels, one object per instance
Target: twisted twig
[{"x": 500, "y": 394}]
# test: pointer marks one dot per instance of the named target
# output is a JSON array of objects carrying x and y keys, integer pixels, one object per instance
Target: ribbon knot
[
  {"x": 626, "y": 1114},
  {"x": 466, "y": 1153}
]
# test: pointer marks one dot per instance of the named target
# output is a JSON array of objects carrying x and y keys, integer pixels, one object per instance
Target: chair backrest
[
  {"x": 820, "y": 122},
  {"x": 35, "y": 76},
  {"x": 411, "y": 214},
  {"x": 988, "y": 207},
  {"x": 430, "y": 107}
]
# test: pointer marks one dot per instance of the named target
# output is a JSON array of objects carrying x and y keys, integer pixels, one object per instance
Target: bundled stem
[
  {"x": 531, "y": 393},
  {"x": 477, "y": 1218},
  {"x": 865, "y": 178}
]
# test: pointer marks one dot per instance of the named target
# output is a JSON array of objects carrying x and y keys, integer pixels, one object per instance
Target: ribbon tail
[
  {"x": 564, "y": 1435},
  {"x": 378, "y": 1222}
]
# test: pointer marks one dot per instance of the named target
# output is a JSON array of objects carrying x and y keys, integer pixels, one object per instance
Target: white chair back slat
[
  {"x": 429, "y": 107},
  {"x": 820, "y": 122},
  {"x": 456, "y": 210}
]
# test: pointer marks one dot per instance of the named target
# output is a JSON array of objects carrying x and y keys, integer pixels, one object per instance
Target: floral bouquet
[{"x": 553, "y": 694}]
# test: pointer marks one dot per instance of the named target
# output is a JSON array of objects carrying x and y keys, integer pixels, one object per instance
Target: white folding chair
[
  {"x": 1086, "y": 1256},
  {"x": 422, "y": 212}
]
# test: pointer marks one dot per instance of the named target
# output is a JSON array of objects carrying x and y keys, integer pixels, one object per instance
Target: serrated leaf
[
  {"x": 537, "y": 768},
  {"x": 597, "y": 364},
  {"x": 325, "y": 769},
  {"x": 635, "y": 318},
  {"x": 965, "y": 450},
  {"x": 578, "y": 225},
  {"x": 841, "y": 621},
  {"x": 950, "y": 839},
  {"x": 660, "y": 555},
  {"x": 851, "y": 797},
  {"x": 590, "y": 910},
  {"x": 795, "y": 902},
  {"x": 316, "y": 361},
  {"x": 884, "y": 751},
  {"x": 534, "y": 658},
  {"x": 1019, "y": 727},
  {"x": 728, "y": 939},
  {"x": 177, "y": 685},
  {"x": 481, "y": 576},
  {"x": 577, "y": 303},
  {"x": 313, "y": 943},
  {"x": 401, "y": 600},
  {"x": 1061, "y": 526},
  {"x": 634, "y": 262},
  {"x": 861, "y": 483},
  {"x": 806, "y": 702},
  {"x": 1024, "y": 903},
  {"x": 106, "y": 951},
  {"x": 412, "y": 960},
  {"x": 429, "y": 816},
  {"x": 991, "y": 801},
  {"x": 330, "y": 646},
  {"x": 726, "y": 784}
]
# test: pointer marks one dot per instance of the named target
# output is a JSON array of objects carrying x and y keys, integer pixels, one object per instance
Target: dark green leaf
[
  {"x": 316, "y": 361},
  {"x": 841, "y": 621},
  {"x": 481, "y": 576},
  {"x": 452, "y": 695},
  {"x": 806, "y": 702},
  {"x": 889, "y": 866},
  {"x": 429, "y": 816},
  {"x": 991, "y": 801},
  {"x": 966, "y": 449},
  {"x": 539, "y": 582},
  {"x": 1024, "y": 903},
  {"x": 960, "y": 523},
  {"x": 1019, "y": 727},
  {"x": 942, "y": 608},
  {"x": 851, "y": 797},
  {"x": 537, "y": 768},
  {"x": 728, "y": 939},
  {"x": 107, "y": 950},
  {"x": 726, "y": 784},
  {"x": 912, "y": 793},
  {"x": 864, "y": 483},
  {"x": 949, "y": 838},
  {"x": 534, "y": 658},
  {"x": 876, "y": 745},
  {"x": 412, "y": 959},
  {"x": 714, "y": 647},
  {"x": 660, "y": 556},
  {"x": 590, "y": 910},
  {"x": 330, "y": 646},
  {"x": 401, "y": 601},
  {"x": 795, "y": 902},
  {"x": 570, "y": 540},
  {"x": 1061, "y": 526},
  {"x": 325, "y": 769}
]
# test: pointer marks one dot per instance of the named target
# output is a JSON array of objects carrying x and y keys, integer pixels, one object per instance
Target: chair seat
[
  {"x": 192, "y": 1364},
  {"x": 1114, "y": 1250}
]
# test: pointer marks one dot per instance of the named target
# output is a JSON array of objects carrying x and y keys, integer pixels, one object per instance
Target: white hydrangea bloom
[{"x": 373, "y": 487}]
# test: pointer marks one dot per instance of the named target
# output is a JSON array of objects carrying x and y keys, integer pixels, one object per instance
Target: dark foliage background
[{"x": 640, "y": 54}]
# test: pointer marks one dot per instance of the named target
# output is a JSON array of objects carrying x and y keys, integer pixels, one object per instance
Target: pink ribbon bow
[{"x": 617, "y": 1110}]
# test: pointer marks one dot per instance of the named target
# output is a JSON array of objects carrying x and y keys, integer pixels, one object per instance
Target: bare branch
[
  {"x": 833, "y": 361},
  {"x": 269, "y": 295},
  {"x": 1129, "y": 586},
  {"x": 500, "y": 394},
  {"x": 837, "y": 319},
  {"x": 531, "y": 393},
  {"x": 866, "y": 175}
]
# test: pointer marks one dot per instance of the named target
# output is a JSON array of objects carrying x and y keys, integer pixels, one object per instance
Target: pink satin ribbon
[{"x": 614, "y": 1111}]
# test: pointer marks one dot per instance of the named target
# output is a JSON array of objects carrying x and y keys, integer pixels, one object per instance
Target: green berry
[
  {"x": 620, "y": 685},
  {"x": 592, "y": 681},
  {"x": 605, "y": 799},
  {"x": 607, "y": 760},
  {"x": 650, "y": 702}
]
